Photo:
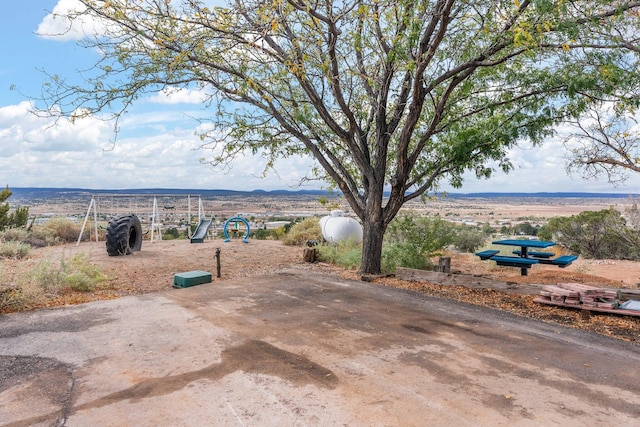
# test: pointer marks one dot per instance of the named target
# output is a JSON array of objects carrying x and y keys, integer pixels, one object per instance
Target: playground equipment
[
  {"x": 235, "y": 220},
  {"x": 336, "y": 227},
  {"x": 201, "y": 231},
  {"x": 124, "y": 235},
  {"x": 124, "y": 232}
]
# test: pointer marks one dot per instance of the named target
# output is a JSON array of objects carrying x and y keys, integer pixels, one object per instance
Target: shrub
[
  {"x": 404, "y": 255},
  {"x": 411, "y": 241},
  {"x": 37, "y": 283},
  {"x": 81, "y": 274},
  {"x": 468, "y": 239},
  {"x": 308, "y": 229},
  {"x": 171, "y": 233},
  {"x": 14, "y": 234},
  {"x": 40, "y": 237},
  {"x": 63, "y": 229},
  {"x": 278, "y": 233},
  {"x": 346, "y": 253},
  {"x": 263, "y": 234},
  {"x": 14, "y": 249},
  {"x": 594, "y": 234}
]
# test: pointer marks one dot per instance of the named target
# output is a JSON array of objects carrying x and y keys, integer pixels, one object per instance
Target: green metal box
[{"x": 191, "y": 278}]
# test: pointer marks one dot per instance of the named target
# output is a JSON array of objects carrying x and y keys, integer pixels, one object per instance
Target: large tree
[{"x": 389, "y": 96}]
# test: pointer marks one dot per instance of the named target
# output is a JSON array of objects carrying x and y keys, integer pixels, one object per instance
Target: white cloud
[
  {"x": 57, "y": 26},
  {"x": 21, "y": 129},
  {"x": 179, "y": 96},
  {"x": 162, "y": 150},
  {"x": 40, "y": 152},
  {"x": 542, "y": 169}
]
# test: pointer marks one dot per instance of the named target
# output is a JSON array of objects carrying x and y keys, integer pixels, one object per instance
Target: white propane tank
[{"x": 337, "y": 227}]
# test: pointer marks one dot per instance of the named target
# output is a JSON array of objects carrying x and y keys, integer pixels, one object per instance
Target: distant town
[{"x": 177, "y": 208}]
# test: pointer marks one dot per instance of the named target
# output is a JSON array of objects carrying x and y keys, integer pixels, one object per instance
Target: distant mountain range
[
  {"x": 47, "y": 193},
  {"x": 567, "y": 195}
]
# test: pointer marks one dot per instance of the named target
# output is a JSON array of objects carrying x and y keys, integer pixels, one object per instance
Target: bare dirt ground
[{"x": 153, "y": 269}]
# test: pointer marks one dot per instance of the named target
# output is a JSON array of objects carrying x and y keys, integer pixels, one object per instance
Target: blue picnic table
[{"x": 525, "y": 256}]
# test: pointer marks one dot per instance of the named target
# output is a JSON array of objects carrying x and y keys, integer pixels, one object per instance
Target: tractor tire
[{"x": 124, "y": 235}]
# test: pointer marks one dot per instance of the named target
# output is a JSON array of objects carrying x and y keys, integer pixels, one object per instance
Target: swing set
[{"x": 114, "y": 204}]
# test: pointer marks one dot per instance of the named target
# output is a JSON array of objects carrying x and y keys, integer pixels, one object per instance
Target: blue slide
[{"x": 201, "y": 231}]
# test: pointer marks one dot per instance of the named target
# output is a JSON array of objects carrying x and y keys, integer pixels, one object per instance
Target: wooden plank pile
[
  {"x": 585, "y": 297},
  {"x": 560, "y": 294}
]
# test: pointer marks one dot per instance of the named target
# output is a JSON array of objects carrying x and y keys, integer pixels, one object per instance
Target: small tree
[
  {"x": 17, "y": 218},
  {"x": 594, "y": 234}
]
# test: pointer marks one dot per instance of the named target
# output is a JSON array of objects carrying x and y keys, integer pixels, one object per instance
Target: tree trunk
[{"x": 372, "y": 235}]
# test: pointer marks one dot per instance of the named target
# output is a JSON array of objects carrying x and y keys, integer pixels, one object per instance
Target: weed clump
[
  {"x": 308, "y": 229},
  {"x": 14, "y": 249},
  {"x": 46, "y": 280}
]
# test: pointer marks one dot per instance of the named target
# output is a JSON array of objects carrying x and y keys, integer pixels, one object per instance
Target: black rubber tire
[{"x": 124, "y": 235}]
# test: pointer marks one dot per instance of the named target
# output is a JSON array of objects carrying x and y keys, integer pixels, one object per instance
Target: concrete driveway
[{"x": 304, "y": 348}]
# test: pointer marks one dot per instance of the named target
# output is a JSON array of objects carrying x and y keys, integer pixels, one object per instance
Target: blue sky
[{"x": 157, "y": 146}]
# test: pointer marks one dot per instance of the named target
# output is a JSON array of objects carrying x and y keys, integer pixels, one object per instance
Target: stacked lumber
[
  {"x": 588, "y": 298},
  {"x": 560, "y": 294},
  {"x": 579, "y": 294},
  {"x": 627, "y": 294}
]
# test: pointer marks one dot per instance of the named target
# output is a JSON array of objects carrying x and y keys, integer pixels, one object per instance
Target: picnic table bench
[
  {"x": 526, "y": 258},
  {"x": 535, "y": 254}
]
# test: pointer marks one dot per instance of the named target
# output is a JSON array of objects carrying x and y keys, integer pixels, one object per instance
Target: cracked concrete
[{"x": 301, "y": 348}]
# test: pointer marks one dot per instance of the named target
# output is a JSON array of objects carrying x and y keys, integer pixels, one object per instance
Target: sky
[{"x": 157, "y": 146}]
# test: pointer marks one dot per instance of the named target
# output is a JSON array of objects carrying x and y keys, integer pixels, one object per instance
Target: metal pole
[
  {"x": 218, "y": 261},
  {"x": 153, "y": 216},
  {"x": 189, "y": 216},
  {"x": 95, "y": 218},
  {"x": 86, "y": 217}
]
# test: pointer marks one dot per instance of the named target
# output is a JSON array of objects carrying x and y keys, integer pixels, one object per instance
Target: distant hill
[
  {"x": 49, "y": 193},
  {"x": 568, "y": 195},
  {"x": 52, "y": 193}
]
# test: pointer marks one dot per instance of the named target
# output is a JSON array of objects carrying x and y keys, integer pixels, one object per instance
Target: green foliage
[
  {"x": 346, "y": 253},
  {"x": 468, "y": 239},
  {"x": 81, "y": 275},
  {"x": 4, "y": 208},
  {"x": 46, "y": 276},
  {"x": 404, "y": 255},
  {"x": 264, "y": 234},
  {"x": 17, "y": 218},
  {"x": 411, "y": 241},
  {"x": 307, "y": 229},
  {"x": 522, "y": 229},
  {"x": 279, "y": 232},
  {"x": 171, "y": 233},
  {"x": 526, "y": 229},
  {"x": 594, "y": 234}
]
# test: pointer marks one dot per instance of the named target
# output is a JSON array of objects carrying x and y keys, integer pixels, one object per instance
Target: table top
[{"x": 525, "y": 243}]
